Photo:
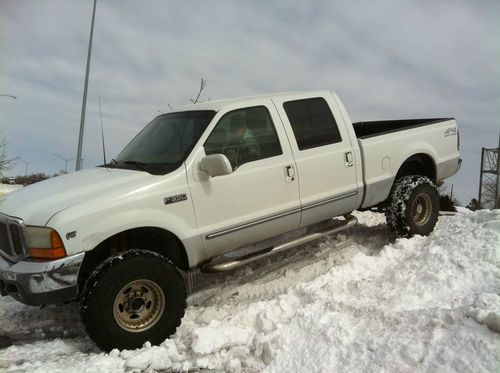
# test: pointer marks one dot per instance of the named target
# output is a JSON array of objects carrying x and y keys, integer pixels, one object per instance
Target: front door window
[{"x": 243, "y": 136}]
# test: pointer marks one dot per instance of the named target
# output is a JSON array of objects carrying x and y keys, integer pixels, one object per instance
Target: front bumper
[{"x": 39, "y": 283}]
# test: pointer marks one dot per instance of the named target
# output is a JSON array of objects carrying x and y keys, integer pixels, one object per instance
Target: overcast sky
[{"x": 385, "y": 59}]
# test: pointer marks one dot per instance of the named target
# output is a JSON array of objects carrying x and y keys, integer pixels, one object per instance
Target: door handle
[
  {"x": 348, "y": 159},
  {"x": 290, "y": 174}
]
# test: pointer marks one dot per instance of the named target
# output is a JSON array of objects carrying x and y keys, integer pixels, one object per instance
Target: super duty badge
[{"x": 176, "y": 198}]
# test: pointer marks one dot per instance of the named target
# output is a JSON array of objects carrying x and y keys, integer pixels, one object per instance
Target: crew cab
[{"x": 204, "y": 181}]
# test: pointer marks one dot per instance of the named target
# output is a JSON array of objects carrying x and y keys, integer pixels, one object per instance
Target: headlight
[{"x": 44, "y": 243}]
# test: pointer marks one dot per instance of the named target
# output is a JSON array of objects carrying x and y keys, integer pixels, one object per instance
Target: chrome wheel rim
[
  {"x": 139, "y": 305},
  {"x": 421, "y": 209}
]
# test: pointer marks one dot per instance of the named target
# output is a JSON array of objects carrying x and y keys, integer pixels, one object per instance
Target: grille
[
  {"x": 11, "y": 238},
  {"x": 4, "y": 239},
  {"x": 16, "y": 239}
]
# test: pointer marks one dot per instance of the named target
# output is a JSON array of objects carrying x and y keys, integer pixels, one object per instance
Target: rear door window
[{"x": 312, "y": 122}]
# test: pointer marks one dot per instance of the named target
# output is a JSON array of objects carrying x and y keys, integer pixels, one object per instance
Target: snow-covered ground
[
  {"x": 7, "y": 188},
  {"x": 355, "y": 302}
]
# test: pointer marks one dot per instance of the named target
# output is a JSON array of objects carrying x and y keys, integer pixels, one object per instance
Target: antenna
[{"x": 102, "y": 132}]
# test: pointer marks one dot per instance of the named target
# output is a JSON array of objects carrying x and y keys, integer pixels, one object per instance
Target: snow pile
[
  {"x": 7, "y": 188},
  {"x": 355, "y": 302},
  {"x": 486, "y": 310}
]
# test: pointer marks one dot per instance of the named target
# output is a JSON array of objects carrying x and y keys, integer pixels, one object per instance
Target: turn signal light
[{"x": 44, "y": 243}]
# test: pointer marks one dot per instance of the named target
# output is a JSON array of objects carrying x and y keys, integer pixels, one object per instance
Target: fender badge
[
  {"x": 452, "y": 131},
  {"x": 70, "y": 235},
  {"x": 176, "y": 198}
]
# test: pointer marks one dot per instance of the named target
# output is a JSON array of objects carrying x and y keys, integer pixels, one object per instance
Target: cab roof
[{"x": 218, "y": 105}]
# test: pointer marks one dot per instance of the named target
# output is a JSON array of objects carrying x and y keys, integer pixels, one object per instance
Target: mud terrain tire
[
  {"x": 132, "y": 297},
  {"x": 413, "y": 206}
]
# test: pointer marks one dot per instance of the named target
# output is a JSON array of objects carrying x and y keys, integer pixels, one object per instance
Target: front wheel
[
  {"x": 413, "y": 206},
  {"x": 133, "y": 297}
]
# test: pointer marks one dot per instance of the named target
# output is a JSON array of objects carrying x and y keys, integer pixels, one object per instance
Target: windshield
[{"x": 165, "y": 143}]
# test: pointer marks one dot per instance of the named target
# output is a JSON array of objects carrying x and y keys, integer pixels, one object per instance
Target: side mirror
[{"x": 216, "y": 165}]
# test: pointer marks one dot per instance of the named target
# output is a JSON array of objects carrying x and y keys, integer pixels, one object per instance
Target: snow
[
  {"x": 7, "y": 188},
  {"x": 215, "y": 337},
  {"x": 357, "y": 301}
]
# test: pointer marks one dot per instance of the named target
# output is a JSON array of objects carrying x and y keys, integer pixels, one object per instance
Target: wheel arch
[
  {"x": 150, "y": 238},
  {"x": 418, "y": 164}
]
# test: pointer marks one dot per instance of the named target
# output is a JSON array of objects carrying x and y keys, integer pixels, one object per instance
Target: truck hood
[{"x": 37, "y": 203}]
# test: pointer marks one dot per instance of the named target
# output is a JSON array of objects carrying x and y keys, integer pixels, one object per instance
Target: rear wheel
[
  {"x": 133, "y": 297},
  {"x": 413, "y": 206}
]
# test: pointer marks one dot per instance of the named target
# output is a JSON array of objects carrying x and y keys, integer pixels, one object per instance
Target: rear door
[{"x": 323, "y": 154}]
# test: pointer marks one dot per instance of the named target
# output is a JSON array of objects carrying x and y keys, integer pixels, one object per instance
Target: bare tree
[
  {"x": 5, "y": 162},
  {"x": 203, "y": 83}
]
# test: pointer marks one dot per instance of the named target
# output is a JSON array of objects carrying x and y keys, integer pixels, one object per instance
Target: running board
[
  {"x": 447, "y": 213},
  {"x": 311, "y": 236}
]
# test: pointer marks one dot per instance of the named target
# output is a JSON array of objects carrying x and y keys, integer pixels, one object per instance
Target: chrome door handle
[
  {"x": 348, "y": 159},
  {"x": 290, "y": 174}
]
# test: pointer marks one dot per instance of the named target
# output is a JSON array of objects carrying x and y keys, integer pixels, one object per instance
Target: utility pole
[
  {"x": 26, "y": 168},
  {"x": 66, "y": 160},
  {"x": 84, "y": 103}
]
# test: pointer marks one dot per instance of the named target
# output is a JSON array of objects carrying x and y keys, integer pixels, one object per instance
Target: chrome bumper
[{"x": 39, "y": 283}]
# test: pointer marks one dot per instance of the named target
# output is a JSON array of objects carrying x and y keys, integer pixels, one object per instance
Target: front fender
[{"x": 84, "y": 229}]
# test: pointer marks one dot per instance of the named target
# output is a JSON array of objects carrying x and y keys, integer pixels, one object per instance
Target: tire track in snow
[{"x": 270, "y": 277}]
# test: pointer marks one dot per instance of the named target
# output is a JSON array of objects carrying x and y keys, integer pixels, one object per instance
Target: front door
[{"x": 260, "y": 198}]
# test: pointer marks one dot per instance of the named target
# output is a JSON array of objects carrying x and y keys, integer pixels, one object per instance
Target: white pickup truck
[{"x": 198, "y": 183}]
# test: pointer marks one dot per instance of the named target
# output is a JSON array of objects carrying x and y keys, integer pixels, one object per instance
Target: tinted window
[
  {"x": 312, "y": 123},
  {"x": 243, "y": 136}
]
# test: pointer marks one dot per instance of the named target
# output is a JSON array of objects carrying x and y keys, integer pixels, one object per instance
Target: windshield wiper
[
  {"x": 111, "y": 164},
  {"x": 141, "y": 165},
  {"x": 151, "y": 168}
]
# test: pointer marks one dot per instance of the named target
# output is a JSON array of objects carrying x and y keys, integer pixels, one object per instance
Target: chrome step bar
[{"x": 311, "y": 236}]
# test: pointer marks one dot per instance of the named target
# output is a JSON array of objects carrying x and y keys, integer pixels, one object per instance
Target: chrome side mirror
[{"x": 216, "y": 165}]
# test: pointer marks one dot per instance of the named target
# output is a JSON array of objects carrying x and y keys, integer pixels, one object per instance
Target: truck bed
[
  {"x": 385, "y": 145},
  {"x": 366, "y": 130}
]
